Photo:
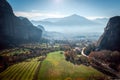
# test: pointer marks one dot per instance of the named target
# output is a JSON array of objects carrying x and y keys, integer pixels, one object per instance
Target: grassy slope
[{"x": 54, "y": 67}]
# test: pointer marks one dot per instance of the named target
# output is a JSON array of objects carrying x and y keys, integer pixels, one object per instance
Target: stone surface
[
  {"x": 110, "y": 40},
  {"x": 15, "y": 30}
]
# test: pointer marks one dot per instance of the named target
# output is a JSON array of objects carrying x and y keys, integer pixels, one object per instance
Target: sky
[{"x": 40, "y": 9}]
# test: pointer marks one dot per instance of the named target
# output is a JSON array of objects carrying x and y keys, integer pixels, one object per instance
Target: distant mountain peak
[
  {"x": 71, "y": 20},
  {"x": 74, "y": 15}
]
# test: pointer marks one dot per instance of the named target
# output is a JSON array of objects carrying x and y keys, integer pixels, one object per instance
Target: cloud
[
  {"x": 35, "y": 15},
  {"x": 95, "y": 17}
]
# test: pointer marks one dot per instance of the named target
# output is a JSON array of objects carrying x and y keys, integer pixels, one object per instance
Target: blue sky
[{"x": 39, "y": 9}]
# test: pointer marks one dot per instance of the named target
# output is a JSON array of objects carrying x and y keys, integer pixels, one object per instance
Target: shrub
[{"x": 111, "y": 58}]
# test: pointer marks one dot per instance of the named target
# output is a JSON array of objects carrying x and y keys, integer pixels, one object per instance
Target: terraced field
[{"x": 21, "y": 71}]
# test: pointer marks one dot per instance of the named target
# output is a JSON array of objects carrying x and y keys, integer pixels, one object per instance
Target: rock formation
[
  {"x": 110, "y": 40},
  {"x": 15, "y": 30}
]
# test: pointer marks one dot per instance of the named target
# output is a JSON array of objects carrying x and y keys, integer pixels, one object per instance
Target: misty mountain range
[
  {"x": 67, "y": 23},
  {"x": 72, "y": 20}
]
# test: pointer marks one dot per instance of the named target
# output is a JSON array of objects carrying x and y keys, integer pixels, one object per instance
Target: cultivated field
[
  {"x": 54, "y": 67},
  {"x": 21, "y": 71}
]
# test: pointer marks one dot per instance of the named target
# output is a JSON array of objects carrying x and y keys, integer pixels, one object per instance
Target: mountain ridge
[
  {"x": 15, "y": 30},
  {"x": 71, "y": 20}
]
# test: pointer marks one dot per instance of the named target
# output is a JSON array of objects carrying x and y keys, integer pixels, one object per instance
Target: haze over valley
[
  {"x": 72, "y": 26},
  {"x": 60, "y": 40}
]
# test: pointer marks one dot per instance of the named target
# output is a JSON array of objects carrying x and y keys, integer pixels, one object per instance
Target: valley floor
[{"x": 54, "y": 67}]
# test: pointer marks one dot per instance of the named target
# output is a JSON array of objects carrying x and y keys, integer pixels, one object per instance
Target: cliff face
[
  {"x": 110, "y": 39},
  {"x": 15, "y": 30}
]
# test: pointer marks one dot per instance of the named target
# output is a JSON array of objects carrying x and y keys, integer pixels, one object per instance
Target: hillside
[
  {"x": 15, "y": 30},
  {"x": 110, "y": 39}
]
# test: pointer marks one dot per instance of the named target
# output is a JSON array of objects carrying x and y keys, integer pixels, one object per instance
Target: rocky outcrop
[
  {"x": 110, "y": 40},
  {"x": 15, "y": 30}
]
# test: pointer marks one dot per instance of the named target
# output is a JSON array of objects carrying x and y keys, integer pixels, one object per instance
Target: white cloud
[
  {"x": 95, "y": 17},
  {"x": 36, "y": 15}
]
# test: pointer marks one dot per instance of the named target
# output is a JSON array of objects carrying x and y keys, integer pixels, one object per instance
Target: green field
[
  {"x": 21, "y": 71},
  {"x": 54, "y": 67}
]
